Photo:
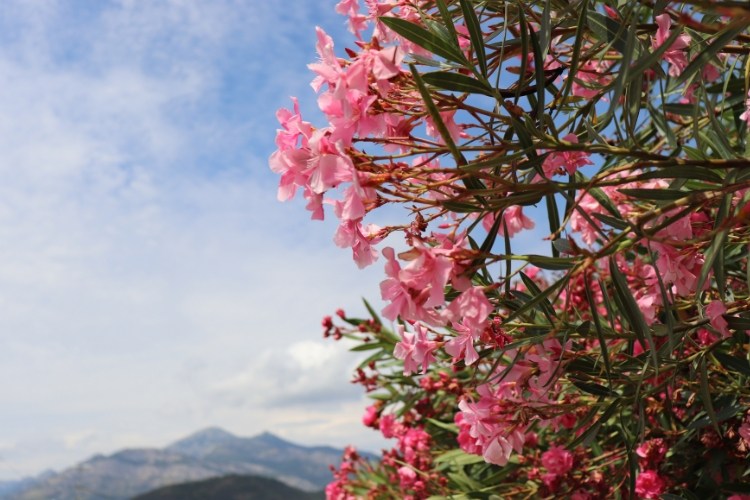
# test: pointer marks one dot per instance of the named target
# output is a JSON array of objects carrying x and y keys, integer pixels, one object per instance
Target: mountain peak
[
  {"x": 203, "y": 441},
  {"x": 212, "y": 433}
]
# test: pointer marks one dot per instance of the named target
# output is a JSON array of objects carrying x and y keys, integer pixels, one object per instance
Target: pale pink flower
[
  {"x": 513, "y": 218},
  {"x": 357, "y": 22},
  {"x": 590, "y": 78},
  {"x": 559, "y": 162},
  {"x": 557, "y": 460},
  {"x": 715, "y": 313},
  {"x": 329, "y": 70},
  {"x": 415, "y": 349},
  {"x": 448, "y": 117},
  {"x": 649, "y": 484},
  {"x": 462, "y": 345},
  {"x": 675, "y": 54},
  {"x": 361, "y": 239},
  {"x": 470, "y": 308}
]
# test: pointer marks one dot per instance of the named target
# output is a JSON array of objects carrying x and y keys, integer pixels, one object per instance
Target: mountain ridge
[{"x": 208, "y": 453}]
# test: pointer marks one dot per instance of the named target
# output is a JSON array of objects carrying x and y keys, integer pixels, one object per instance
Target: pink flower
[
  {"x": 388, "y": 426},
  {"x": 370, "y": 416},
  {"x": 406, "y": 477},
  {"x": 414, "y": 349},
  {"x": 559, "y": 162},
  {"x": 648, "y": 484},
  {"x": 746, "y": 115},
  {"x": 472, "y": 307},
  {"x": 675, "y": 54},
  {"x": 454, "y": 130},
  {"x": 715, "y": 312},
  {"x": 557, "y": 460},
  {"x": 513, "y": 218},
  {"x": 590, "y": 77},
  {"x": 652, "y": 453},
  {"x": 462, "y": 345},
  {"x": 744, "y": 429}
]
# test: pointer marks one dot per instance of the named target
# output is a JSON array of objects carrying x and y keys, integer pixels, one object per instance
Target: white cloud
[{"x": 150, "y": 284}]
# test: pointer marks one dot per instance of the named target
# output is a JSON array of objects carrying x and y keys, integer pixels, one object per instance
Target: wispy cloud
[{"x": 149, "y": 282}]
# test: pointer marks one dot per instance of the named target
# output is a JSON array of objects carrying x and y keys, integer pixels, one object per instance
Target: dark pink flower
[
  {"x": 649, "y": 484},
  {"x": 557, "y": 460},
  {"x": 652, "y": 453}
]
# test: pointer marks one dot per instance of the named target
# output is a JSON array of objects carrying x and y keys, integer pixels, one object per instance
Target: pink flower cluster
[{"x": 491, "y": 426}]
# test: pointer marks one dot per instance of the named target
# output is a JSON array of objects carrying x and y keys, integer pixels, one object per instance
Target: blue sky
[{"x": 150, "y": 284}]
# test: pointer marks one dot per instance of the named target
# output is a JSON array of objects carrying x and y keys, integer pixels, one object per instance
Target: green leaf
[
  {"x": 536, "y": 300},
  {"x": 456, "y": 82},
  {"x": 733, "y": 363},
  {"x": 545, "y": 304},
  {"x": 604, "y": 200},
  {"x": 458, "y": 457},
  {"x": 738, "y": 323},
  {"x": 443, "y": 425},
  {"x": 599, "y": 331},
  {"x": 425, "y": 39},
  {"x": 631, "y": 311},
  {"x": 655, "y": 194},
  {"x": 580, "y": 36},
  {"x": 593, "y": 430},
  {"x": 607, "y": 30},
  {"x": 714, "y": 253},
  {"x": 538, "y": 73},
  {"x": 553, "y": 215},
  {"x": 611, "y": 221},
  {"x": 475, "y": 34},
  {"x": 372, "y": 312},
  {"x": 592, "y": 388},
  {"x": 447, "y": 20},
  {"x": 682, "y": 172},
  {"x": 705, "y": 395},
  {"x": 436, "y": 118},
  {"x": 551, "y": 263},
  {"x": 369, "y": 346}
]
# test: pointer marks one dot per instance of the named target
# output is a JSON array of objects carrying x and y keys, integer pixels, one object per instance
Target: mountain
[
  {"x": 210, "y": 453},
  {"x": 231, "y": 488}
]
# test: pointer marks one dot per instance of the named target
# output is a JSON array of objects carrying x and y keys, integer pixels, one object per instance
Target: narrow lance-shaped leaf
[
  {"x": 436, "y": 118},
  {"x": 424, "y": 38},
  {"x": 475, "y": 34},
  {"x": 456, "y": 82},
  {"x": 631, "y": 311},
  {"x": 705, "y": 394}
]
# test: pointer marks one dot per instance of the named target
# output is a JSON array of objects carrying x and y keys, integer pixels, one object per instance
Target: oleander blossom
[
  {"x": 566, "y": 161},
  {"x": 648, "y": 484},
  {"x": 675, "y": 55}
]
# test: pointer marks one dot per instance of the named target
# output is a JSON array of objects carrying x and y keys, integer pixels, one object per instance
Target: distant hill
[
  {"x": 231, "y": 488},
  {"x": 210, "y": 453}
]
